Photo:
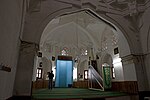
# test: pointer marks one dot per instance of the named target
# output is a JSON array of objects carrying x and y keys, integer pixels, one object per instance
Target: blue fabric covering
[{"x": 64, "y": 73}]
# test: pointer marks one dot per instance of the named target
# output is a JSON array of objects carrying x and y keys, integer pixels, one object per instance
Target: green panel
[{"x": 107, "y": 77}]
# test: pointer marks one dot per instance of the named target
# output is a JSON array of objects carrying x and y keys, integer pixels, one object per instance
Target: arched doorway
[
  {"x": 88, "y": 34},
  {"x": 94, "y": 43}
]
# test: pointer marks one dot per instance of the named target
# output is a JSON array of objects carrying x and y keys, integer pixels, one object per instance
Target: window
[
  {"x": 84, "y": 52},
  {"x": 39, "y": 73},
  {"x": 64, "y": 51},
  {"x": 85, "y": 74},
  {"x": 113, "y": 72},
  {"x": 104, "y": 46},
  {"x": 114, "y": 40},
  {"x": 74, "y": 74}
]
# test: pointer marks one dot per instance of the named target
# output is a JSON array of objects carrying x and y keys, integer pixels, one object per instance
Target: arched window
[
  {"x": 114, "y": 40},
  {"x": 64, "y": 51},
  {"x": 84, "y": 52},
  {"x": 39, "y": 73},
  {"x": 104, "y": 46}
]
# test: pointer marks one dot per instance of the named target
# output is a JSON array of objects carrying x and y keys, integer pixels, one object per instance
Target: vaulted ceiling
[{"x": 80, "y": 30}]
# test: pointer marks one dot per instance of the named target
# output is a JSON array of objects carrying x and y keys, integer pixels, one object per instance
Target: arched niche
[{"x": 107, "y": 59}]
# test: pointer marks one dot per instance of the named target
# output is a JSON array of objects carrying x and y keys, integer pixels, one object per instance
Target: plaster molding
[
  {"x": 123, "y": 8},
  {"x": 129, "y": 59},
  {"x": 76, "y": 3},
  {"x": 28, "y": 47}
]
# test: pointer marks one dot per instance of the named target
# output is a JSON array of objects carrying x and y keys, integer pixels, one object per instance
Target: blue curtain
[{"x": 64, "y": 73}]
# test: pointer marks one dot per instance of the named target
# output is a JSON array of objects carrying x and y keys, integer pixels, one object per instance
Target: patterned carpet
[{"x": 72, "y": 93}]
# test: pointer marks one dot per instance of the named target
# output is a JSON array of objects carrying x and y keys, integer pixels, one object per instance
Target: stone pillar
[
  {"x": 23, "y": 79},
  {"x": 147, "y": 66},
  {"x": 129, "y": 68},
  {"x": 134, "y": 70}
]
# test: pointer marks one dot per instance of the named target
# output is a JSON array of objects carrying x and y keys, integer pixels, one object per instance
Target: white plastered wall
[
  {"x": 10, "y": 25},
  {"x": 124, "y": 50},
  {"x": 123, "y": 72}
]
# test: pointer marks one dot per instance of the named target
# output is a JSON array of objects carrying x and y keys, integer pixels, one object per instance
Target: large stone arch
[
  {"x": 113, "y": 21},
  {"x": 35, "y": 22},
  {"x": 117, "y": 21}
]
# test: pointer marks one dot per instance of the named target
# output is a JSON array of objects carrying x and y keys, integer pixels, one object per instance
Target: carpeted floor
[{"x": 72, "y": 93}]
